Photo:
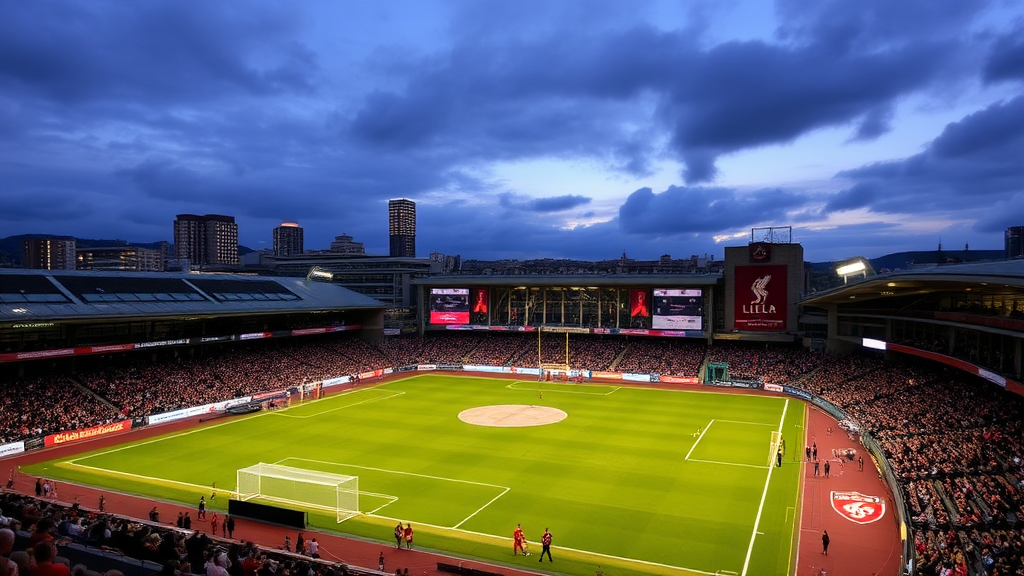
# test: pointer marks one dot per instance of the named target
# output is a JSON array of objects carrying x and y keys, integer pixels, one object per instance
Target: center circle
[{"x": 512, "y": 415}]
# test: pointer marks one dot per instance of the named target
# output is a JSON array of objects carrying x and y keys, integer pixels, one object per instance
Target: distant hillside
[
  {"x": 11, "y": 246},
  {"x": 903, "y": 260}
]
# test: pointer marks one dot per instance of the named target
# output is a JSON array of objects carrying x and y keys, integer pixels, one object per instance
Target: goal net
[
  {"x": 301, "y": 487},
  {"x": 776, "y": 447}
]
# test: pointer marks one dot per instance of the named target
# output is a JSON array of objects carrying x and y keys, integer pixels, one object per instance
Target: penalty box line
[
  {"x": 513, "y": 386},
  {"x": 393, "y": 393},
  {"x": 504, "y": 489}
]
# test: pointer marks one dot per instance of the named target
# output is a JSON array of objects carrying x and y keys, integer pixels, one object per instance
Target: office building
[
  {"x": 210, "y": 240},
  {"x": 1015, "y": 241},
  {"x": 288, "y": 239},
  {"x": 402, "y": 227},
  {"x": 48, "y": 254},
  {"x": 344, "y": 244}
]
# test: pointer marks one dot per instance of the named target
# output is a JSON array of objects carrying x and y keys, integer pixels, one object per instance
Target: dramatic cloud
[
  {"x": 971, "y": 165},
  {"x": 543, "y": 205},
  {"x": 521, "y": 130}
]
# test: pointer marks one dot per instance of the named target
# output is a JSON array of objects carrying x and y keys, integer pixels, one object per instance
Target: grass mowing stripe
[
  {"x": 764, "y": 493},
  {"x": 342, "y": 464},
  {"x": 698, "y": 439}
]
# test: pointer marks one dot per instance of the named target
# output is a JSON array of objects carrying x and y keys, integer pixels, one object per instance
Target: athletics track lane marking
[{"x": 764, "y": 494}]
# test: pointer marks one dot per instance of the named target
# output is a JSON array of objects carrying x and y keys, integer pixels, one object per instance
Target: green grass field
[{"x": 623, "y": 482}]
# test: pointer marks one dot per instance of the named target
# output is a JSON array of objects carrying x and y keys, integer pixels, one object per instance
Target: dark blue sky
[{"x": 527, "y": 129}]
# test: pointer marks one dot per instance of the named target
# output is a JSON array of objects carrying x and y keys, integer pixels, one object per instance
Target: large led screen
[
  {"x": 449, "y": 306},
  {"x": 678, "y": 310}
]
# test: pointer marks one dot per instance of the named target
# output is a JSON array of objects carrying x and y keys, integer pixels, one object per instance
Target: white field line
[
  {"x": 464, "y": 520},
  {"x": 163, "y": 438},
  {"x": 747, "y": 423},
  {"x": 391, "y": 471},
  {"x": 513, "y": 386},
  {"x": 764, "y": 494},
  {"x": 394, "y": 393},
  {"x": 799, "y": 503},
  {"x": 758, "y": 466},
  {"x": 153, "y": 479},
  {"x": 698, "y": 439}
]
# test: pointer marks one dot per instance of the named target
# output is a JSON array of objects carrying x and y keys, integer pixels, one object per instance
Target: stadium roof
[
  {"x": 997, "y": 277},
  {"x": 66, "y": 294},
  {"x": 584, "y": 280}
]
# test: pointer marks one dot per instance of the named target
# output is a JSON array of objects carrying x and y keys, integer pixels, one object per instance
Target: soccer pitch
[{"x": 624, "y": 481}]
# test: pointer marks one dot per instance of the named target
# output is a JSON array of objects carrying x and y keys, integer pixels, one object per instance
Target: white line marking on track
[
  {"x": 764, "y": 494},
  {"x": 698, "y": 439}
]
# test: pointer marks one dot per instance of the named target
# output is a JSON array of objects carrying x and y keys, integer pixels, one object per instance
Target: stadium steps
[
  {"x": 615, "y": 363},
  {"x": 947, "y": 503},
  {"x": 89, "y": 392}
]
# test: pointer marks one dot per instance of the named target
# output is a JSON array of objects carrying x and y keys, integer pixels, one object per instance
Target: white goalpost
[
  {"x": 776, "y": 446},
  {"x": 301, "y": 487}
]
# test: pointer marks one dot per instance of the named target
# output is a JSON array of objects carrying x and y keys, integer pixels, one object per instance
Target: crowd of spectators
[
  {"x": 772, "y": 364},
  {"x": 45, "y": 528},
  {"x": 957, "y": 445},
  {"x": 674, "y": 357},
  {"x": 48, "y": 404},
  {"x": 955, "y": 442}
]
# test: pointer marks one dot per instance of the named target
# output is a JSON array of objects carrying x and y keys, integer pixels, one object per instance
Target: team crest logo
[
  {"x": 858, "y": 508},
  {"x": 760, "y": 289}
]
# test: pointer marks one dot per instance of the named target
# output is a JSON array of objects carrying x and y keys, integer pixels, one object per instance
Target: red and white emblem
[{"x": 857, "y": 507}]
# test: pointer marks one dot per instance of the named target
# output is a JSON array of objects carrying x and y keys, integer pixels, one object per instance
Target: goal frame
[
  {"x": 774, "y": 447},
  {"x": 345, "y": 487}
]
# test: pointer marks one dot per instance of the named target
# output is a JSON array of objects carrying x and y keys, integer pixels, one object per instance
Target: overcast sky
[{"x": 522, "y": 129}]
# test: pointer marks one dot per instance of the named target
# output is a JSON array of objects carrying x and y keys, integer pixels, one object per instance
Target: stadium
[{"x": 656, "y": 424}]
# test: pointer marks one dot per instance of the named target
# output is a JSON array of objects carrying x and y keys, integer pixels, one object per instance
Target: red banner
[
  {"x": 480, "y": 300},
  {"x": 606, "y": 375},
  {"x": 639, "y": 305},
  {"x": 678, "y": 379},
  {"x": 87, "y": 433},
  {"x": 760, "y": 301}
]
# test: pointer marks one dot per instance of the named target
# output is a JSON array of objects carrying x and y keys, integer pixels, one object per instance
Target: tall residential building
[
  {"x": 48, "y": 254},
  {"x": 402, "y": 227},
  {"x": 1015, "y": 241},
  {"x": 344, "y": 244},
  {"x": 288, "y": 239},
  {"x": 210, "y": 240}
]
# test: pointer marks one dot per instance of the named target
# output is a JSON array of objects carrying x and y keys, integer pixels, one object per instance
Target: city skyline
[{"x": 574, "y": 130}]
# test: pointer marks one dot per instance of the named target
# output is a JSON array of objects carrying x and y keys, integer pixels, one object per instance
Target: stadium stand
[
  {"x": 88, "y": 539},
  {"x": 955, "y": 442}
]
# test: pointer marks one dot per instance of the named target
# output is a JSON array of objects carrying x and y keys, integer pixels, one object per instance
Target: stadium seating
[{"x": 955, "y": 443}]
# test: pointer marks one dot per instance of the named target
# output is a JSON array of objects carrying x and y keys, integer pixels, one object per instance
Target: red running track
[{"x": 854, "y": 549}]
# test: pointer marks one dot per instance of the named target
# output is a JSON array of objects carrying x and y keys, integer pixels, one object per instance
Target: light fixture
[{"x": 853, "y": 268}]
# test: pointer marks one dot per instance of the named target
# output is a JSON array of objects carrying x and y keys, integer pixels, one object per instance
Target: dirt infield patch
[{"x": 512, "y": 415}]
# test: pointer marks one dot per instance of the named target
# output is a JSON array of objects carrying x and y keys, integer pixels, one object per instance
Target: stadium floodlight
[
  {"x": 853, "y": 266},
  {"x": 300, "y": 487}
]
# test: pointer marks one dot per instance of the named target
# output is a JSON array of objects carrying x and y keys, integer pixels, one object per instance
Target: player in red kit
[{"x": 518, "y": 539}]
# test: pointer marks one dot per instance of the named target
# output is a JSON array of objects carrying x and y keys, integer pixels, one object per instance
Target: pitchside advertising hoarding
[
  {"x": 761, "y": 301},
  {"x": 449, "y": 306},
  {"x": 678, "y": 309}
]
